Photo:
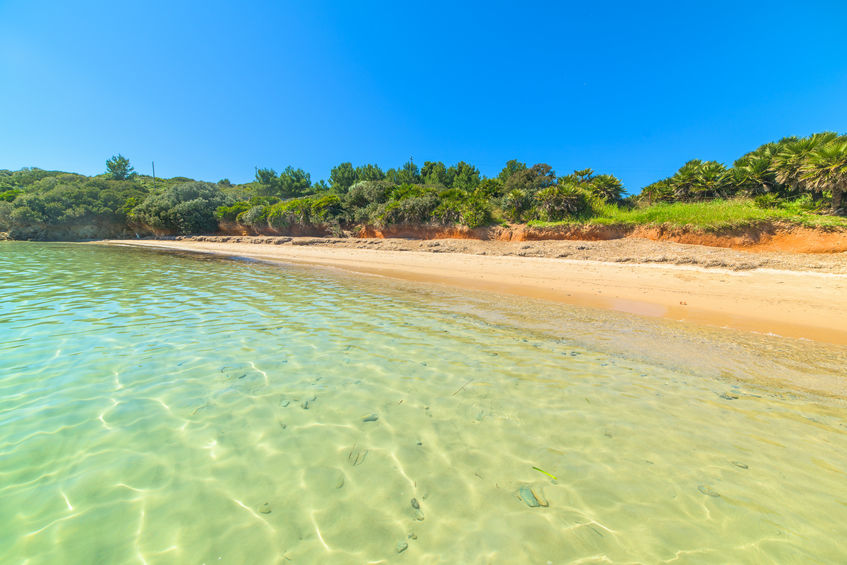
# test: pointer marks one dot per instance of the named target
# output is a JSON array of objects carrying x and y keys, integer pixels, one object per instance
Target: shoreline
[{"x": 773, "y": 296}]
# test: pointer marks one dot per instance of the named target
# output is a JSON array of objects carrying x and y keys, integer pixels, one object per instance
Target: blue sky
[{"x": 211, "y": 89}]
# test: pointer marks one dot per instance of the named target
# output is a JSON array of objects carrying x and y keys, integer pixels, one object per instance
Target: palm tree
[
  {"x": 607, "y": 187},
  {"x": 556, "y": 202},
  {"x": 698, "y": 180},
  {"x": 753, "y": 175},
  {"x": 710, "y": 180},
  {"x": 788, "y": 162},
  {"x": 583, "y": 175},
  {"x": 659, "y": 191},
  {"x": 826, "y": 169},
  {"x": 752, "y": 172},
  {"x": 684, "y": 180}
]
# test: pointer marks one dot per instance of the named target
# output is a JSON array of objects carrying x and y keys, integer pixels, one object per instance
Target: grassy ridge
[{"x": 713, "y": 215}]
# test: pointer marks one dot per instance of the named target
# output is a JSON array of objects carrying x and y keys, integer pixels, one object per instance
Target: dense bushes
[
  {"x": 787, "y": 169},
  {"x": 184, "y": 208},
  {"x": 232, "y": 213},
  {"x": 556, "y": 203},
  {"x": 790, "y": 176},
  {"x": 41, "y": 201},
  {"x": 458, "y": 207}
]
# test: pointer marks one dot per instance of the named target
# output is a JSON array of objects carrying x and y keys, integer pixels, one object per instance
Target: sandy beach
[{"x": 792, "y": 295}]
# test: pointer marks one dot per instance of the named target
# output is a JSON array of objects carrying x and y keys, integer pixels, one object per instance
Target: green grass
[{"x": 708, "y": 216}]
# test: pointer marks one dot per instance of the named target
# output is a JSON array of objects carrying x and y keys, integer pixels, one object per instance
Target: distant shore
[{"x": 789, "y": 294}]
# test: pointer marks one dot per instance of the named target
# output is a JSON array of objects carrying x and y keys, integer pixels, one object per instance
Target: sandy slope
[{"x": 771, "y": 294}]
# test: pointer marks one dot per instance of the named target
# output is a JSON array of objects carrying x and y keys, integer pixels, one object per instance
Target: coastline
[{"x": 772, "y": 294}]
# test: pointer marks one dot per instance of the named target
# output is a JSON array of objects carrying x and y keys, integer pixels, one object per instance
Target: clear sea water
[{"x": 164, "y": 408}]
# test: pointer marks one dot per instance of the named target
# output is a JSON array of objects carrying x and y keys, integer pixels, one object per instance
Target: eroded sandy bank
[{"x": 792, "y": 295}]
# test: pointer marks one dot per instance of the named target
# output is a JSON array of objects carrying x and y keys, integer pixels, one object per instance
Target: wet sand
[{"x": 791, "y": 295}]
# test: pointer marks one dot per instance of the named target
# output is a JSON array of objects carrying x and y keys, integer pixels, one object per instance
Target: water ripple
[{"x": 159, "y": 408}]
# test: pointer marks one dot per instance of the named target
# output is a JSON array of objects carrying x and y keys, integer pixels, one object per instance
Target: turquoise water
[{"x": 159, "y": 408}]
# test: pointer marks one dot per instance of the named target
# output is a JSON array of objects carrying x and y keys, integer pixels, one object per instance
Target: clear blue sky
[{"x": 211, "y": 89}]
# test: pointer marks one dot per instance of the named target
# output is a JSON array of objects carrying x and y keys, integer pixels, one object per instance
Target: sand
[{"x": 788, "y": 294}]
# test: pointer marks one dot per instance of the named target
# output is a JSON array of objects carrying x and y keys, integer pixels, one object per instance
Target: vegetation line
[{"x": 795, "y": 180}]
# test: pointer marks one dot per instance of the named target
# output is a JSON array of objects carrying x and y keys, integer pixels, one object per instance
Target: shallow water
[{"x": 157, "y": 408}]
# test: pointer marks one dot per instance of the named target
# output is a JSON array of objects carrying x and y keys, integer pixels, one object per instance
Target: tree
[
  {"x": 435, "y": 173},
  {"x": 512, "y": 166},
  {"x": 787, "y": 163},
  {"x": 711, "y": 180},
  {"x": 583, "y": 176},
  {"x": 342, "y": 177},
  {"x": 607, "y": 187},
  {"x": 290, "y": 183},
  {"x": 531, "y": 180},
  {"x": 464, "y": 176},
  {"x": 409, "y": 174},
  {"x": 826, "y": 169},
  {"x": 369, "y": 172},
  {"x": 319, "y": 187},
  {"x": 267, "y": 179},
  {"x": 118, "y": 167},
  {"x": 699, "y": 180},
  {"x": 659, "y": 191},
  {"x": 293, "y": 182},
  {"x": 753, "y": 174}
]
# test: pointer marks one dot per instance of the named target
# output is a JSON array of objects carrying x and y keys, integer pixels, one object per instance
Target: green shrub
[
  {"x": 184, "y": 208},
  {"x": 254, "y": 216},
  {"x": 460, "y": 207},
  {"x": 409, "y": 210},
  {"x": 326, "y": 207},
  {"x": 231, "y": 213},
  {"x": 766, "y": 201},
  {"x": 5, "y": 215},
  {"x": 296, "y": 211},
  {"x": 9, "y": 195},
  {"x": 515, "y": 203},
  {"x": 555, "y": 203},
  {"x": 449, "y": 211},
  {"x": 476, "y": 213}
]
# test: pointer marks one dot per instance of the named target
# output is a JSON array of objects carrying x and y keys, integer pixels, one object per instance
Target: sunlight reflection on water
[{"x": 160, "y": 408}]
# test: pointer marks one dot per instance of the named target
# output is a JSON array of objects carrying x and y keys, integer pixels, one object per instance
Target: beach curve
[{"x": 791, "y": 303}]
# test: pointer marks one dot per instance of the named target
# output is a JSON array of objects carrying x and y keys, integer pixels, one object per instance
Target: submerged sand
[{"x": 789, "y": 294}]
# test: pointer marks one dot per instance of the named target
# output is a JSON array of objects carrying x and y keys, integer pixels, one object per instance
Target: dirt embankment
[
  {"x": 771, "y": 237},
  {"x": 236, "y": 229},
  {"x": 766, "y": 237},
  {"x": 633, "y": 250}
]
